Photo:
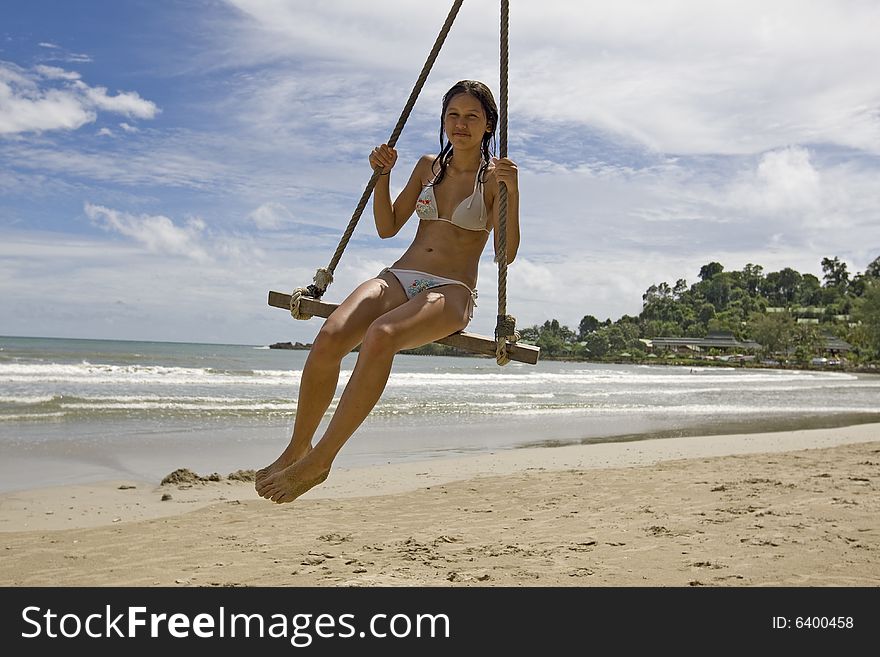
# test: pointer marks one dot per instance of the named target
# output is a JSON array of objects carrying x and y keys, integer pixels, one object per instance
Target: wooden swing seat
[{"x": 478, "y": 344}]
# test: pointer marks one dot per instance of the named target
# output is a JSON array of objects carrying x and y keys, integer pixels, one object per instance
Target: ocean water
[{"x": 80, "y": 410}]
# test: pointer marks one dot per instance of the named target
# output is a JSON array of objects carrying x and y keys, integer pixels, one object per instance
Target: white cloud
[
  {"x": 52, "y": 111},
  {"x": 785, "y": 180},
  {"x": 721, "y": 77},
  {"x": 321, "y": 28},
  {"x": 27, "y": 105},
  {"x": 651, "y": 140},
  {"x": 105, "y": 132},
  {"x": 78, "y": 57},
  {"x": 115, "y": 288},
  {"x": 157, "y": 233},
  {"x": 182, "y": 161},
  {"x": 128, "y": 103},
  {"x": 56, "y": 73},
  {"x": 740, "y": 77},
  {"x": 270, "y": 216}
]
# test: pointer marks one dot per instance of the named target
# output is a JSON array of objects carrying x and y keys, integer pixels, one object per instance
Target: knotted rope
[
  {"x": 505, "y": 328},
  {"x": 323, "y": 278},
  {"x": 324, "y": 275}
]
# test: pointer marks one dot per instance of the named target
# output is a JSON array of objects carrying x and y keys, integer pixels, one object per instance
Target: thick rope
[
  {"x": 324, "y": 276},
  {"x": 505, "y": 328}
]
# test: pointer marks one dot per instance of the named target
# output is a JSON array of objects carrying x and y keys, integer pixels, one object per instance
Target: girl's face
[{"x": 465, "y": 121}]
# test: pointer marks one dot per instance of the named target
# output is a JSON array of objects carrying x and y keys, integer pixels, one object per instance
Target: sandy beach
[{"x": 796, "y": 508}]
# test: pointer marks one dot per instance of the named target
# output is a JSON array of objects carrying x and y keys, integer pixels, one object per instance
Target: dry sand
[{"x": 797, "y": 508}]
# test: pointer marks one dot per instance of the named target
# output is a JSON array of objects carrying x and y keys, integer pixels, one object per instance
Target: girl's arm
[
  {"x": 505, "y": 171},
  {"x": 389, "y": 217}
]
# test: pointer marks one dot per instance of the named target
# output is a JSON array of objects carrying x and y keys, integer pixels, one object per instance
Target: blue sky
[{"x": 163, "y": 164}]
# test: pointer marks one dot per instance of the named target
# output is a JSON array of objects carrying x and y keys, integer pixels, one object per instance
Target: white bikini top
[{"x": 466, "y": 215}]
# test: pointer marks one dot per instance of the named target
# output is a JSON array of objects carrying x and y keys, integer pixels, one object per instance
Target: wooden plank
[{"x": 478, "y": 344}]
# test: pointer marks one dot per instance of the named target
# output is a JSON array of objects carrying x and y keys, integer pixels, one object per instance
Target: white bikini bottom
[{"x": 415, "y": 282}]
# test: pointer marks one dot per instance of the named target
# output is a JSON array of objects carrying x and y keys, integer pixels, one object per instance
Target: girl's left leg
[
  {"x": 341, "y": 332},
  {"x": 431, "y": 315}
]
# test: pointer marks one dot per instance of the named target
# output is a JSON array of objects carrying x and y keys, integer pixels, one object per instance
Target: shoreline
[
  {"x": 59, "y": 465},
  {"x": 109, "y": 501}
]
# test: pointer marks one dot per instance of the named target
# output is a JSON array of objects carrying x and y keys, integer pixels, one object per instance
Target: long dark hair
[{"x": 487, "y": 146}]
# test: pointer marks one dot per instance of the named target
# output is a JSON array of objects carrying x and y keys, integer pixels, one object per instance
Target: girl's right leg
[
  {"x": 341, "y": 332},
  {"x": 428, "y": 316}
]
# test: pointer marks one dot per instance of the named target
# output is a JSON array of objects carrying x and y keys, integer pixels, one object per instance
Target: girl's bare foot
[
  {"x": 289, "y": 483},
  {"x": 288, "y": 457}
]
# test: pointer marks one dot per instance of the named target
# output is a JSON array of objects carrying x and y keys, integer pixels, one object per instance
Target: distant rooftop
[
  {"x": 833, "y": 343},
  {"x": 721, "y": 340},
  {"x": 718, "y": 340}
]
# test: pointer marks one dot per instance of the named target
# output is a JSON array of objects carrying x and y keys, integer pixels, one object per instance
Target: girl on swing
[{"x": 427, "y": 294}]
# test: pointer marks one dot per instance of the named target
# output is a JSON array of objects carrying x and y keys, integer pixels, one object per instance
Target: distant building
[
  {"x": 723, "y": 341},
  {"x": 835, "y": 346},
  {"x": 728, "y": 344},
  {"x": 807, "y": 314}
]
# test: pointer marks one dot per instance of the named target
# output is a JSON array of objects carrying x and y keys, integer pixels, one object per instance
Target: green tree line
[{"x": 749, "y": 303}]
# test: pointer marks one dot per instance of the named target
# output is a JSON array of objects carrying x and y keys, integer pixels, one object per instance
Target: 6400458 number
[{"x": 824, "y": 622}]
